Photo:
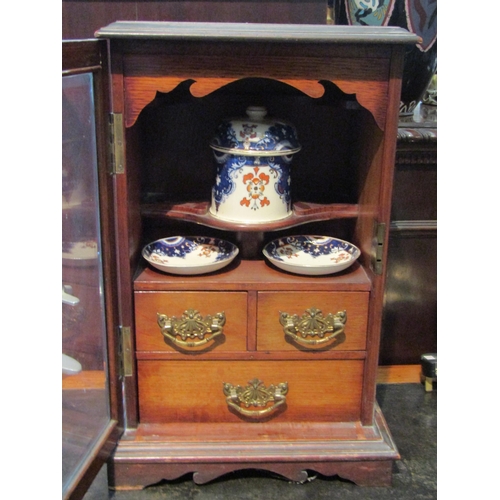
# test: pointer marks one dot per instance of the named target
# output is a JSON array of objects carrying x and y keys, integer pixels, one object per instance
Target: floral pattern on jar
[{"x": 253, "y": 158}]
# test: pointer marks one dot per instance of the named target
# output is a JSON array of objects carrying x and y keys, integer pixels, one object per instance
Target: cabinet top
[{"x": 257, "y": 32}]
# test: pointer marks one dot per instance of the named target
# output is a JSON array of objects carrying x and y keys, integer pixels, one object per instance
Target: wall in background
[{"x": 81, "y": 18}]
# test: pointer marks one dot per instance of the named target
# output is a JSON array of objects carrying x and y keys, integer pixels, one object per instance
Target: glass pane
[{"x": 85, "y": 411}]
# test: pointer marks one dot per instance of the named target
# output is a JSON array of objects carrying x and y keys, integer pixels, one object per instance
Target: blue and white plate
[
  {"x": 189, "y": 255},
  {"x": 311, "y": 255}
]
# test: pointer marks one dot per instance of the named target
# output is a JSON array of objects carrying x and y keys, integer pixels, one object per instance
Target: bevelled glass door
[
  {"x": 92, "y": 399},
  {"x": 85, "y": 400}
]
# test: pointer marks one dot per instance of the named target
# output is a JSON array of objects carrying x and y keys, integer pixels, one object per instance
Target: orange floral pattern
[{"x": 256, "y": 184}]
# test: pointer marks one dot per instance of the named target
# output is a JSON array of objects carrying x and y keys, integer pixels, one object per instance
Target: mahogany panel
[
  {"x": 270, "y": 334},
  {"x": 149, "y": 304},
  {"x": 192, "y": 391}
]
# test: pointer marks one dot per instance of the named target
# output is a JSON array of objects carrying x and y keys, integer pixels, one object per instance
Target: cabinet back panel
[{"x": 176, "y": 130}]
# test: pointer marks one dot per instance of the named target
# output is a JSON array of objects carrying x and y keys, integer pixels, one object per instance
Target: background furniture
[{"x": 410, "y": 306}]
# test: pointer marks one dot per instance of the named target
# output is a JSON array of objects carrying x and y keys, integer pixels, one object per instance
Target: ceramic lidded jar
[{"x": 253, "y": 156}]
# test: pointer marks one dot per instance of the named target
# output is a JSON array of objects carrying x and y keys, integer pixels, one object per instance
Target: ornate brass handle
[
  {"x": 191, "y": 325},
  {"x": 313, "y": 324},
  {"x": 257, "y": 395}
]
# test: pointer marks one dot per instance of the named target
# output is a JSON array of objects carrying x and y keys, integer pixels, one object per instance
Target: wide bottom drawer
[{"x": 232, "y": 391}]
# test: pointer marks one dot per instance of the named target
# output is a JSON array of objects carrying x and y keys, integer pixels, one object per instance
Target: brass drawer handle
[
  {"x": 313, "y": 324},
  {"x": 257, "y": 395},
  {"x": 191, "y": 325}
]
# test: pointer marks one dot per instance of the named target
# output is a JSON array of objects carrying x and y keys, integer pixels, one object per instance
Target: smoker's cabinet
[{"x": 253, "y": 389}]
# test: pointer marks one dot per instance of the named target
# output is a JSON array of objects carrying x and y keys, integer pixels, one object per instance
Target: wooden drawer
[
  {"x": 270, "y": 332},
  {"x": 148, "y": 333},
  {"x": 192, "y": 391}
]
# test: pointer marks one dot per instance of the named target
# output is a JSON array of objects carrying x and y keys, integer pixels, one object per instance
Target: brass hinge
[
  {"x": 116, "y": 143},
  {"x": 126, "y": 351},
  {"x": 378, "y": 253}
]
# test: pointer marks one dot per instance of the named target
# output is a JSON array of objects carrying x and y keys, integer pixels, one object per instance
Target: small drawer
[
  {"x": 211, "y": 391},
  {"x": 290, "y": 321},
  {"x": 220, "y": 322}
]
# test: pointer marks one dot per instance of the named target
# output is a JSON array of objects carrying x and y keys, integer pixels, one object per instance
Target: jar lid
[{"x": 256, "y": 135}]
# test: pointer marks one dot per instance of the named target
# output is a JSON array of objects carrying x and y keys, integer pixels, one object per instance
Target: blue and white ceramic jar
[{"x": 253, "y": 156}]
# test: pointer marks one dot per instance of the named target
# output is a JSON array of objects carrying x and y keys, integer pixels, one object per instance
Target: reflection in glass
[{"x": 85, "y": 411}]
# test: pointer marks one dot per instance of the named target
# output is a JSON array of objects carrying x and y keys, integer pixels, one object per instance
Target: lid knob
[{"x": 256, "y": 112}]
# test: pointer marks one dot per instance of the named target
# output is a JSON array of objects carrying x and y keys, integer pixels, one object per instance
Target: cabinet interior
[{"x": 171, "y": 161}]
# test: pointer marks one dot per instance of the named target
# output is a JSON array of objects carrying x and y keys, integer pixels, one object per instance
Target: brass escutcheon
[
  {"x": 313, "y": 324},
  {"x": 257, "y": 395},
  {"x": 191, "y": 325}
]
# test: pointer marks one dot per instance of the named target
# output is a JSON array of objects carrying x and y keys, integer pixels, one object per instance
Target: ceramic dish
[
  {"x": 311, "y": 255},
  {"x": 189, "y": 255}
]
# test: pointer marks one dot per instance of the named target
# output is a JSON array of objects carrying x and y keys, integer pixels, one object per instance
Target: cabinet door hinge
[
  {"x": 116, "y": 143},
  {"x": 378, "y": 251},
  {"x": 126, "y": 361}
]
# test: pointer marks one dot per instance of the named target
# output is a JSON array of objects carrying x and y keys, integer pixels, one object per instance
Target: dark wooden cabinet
[
  {"x": 409, "y": 327},
  {"x": 252, "y": 398}
]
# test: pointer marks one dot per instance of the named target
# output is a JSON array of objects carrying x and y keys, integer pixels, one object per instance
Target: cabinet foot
[
  {"x": 134, "y": 477},
  {"x": 363, "y": 455}
]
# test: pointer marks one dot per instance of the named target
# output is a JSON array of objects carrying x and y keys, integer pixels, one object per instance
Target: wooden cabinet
[{"x": 252, "y": 393}]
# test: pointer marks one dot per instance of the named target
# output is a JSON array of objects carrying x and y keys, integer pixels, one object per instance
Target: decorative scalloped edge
[
  {"x": 201, "y": 87},
  {"x": 363, "y": 473}
]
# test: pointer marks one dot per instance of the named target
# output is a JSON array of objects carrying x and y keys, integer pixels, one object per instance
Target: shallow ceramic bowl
[
  {"x": 189, "y": 255},
  {"x": 311, "y": 255}
]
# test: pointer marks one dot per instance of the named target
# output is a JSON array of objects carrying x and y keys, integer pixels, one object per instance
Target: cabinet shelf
[
  {"x": 198, "y": 212},
  {"x": 244, "y": 274}
]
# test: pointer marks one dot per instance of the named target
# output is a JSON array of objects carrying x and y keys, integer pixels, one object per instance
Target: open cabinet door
[{"x": 91, "y": 386}]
